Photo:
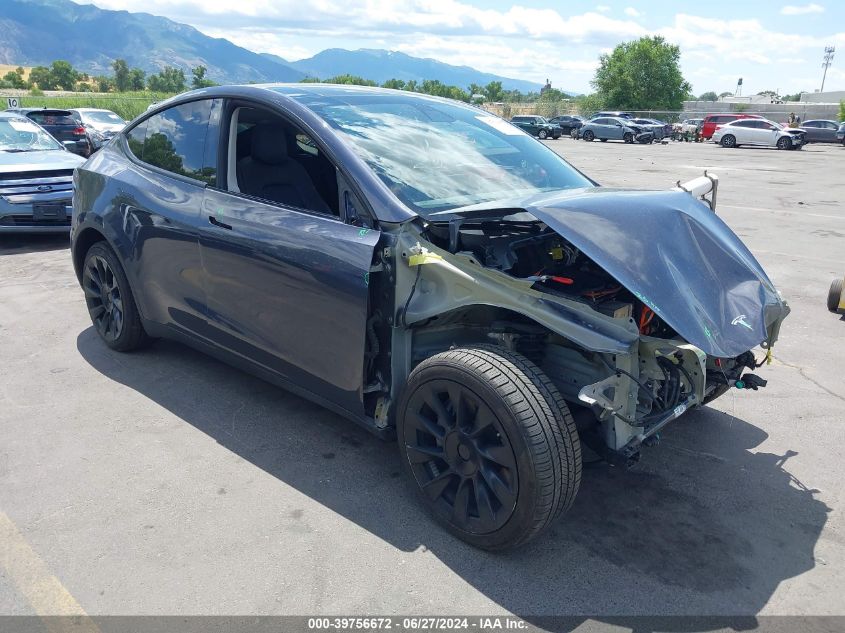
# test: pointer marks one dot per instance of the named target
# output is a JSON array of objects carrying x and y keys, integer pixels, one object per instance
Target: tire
[
  {"x": 542, "y": 134},
  {"x": 728, "y": 140},
  {"x": 513, "y": 472},
  {"x": 588, "y": 136},
  {"x": 784, "y": 143},
  {"x": 111, "y": 304},
  {"x": 833, "y": 295},
  {"x": 628, "y": 137}
]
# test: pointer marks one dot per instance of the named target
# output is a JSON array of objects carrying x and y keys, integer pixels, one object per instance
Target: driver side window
[{"x": 273, "y": 160}]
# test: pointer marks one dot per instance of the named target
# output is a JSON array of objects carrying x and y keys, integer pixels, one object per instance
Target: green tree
[
  {"x": 842, "y": 110},
  {"x": 64, "y": 76},
  {"x": 493, "y": 91},
  {"x": 726, "y": 94},
  {"x": 644, "y": 74},
  {"x": 103, "y": 83},
  {"x": 137, "y": 79},
  {"x": 395, "y": 84},
  {"x": 170, "y": 79},
  {"x": 709, "y": 96},
  {"x": 41, "y": 77},
  {"x": 121, "y": 75},
  {"x": 352, "y": 80},
  {"x": 199, "y": 80},
  {"x": 588, "y": 104},
  {"x": 14, "y": 79},
  {"x": 411, "y": 85}
]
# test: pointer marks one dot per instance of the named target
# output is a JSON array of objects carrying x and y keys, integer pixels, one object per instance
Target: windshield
[
  {"x": 20, "y": 135},
  {"x": 102, "y": 117},
  {"x": 437, "y": 156}
]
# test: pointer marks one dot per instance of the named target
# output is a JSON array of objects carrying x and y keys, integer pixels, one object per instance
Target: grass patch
[{"x": 126, "y": 104}]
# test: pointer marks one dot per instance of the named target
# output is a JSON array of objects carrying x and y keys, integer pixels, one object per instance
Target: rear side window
[{"x": 174, "y": 140}]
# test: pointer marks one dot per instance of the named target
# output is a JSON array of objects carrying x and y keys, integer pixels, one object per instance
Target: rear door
[
  {"x": 160, "y": 198},
  {"x": 287, "y": 277}
]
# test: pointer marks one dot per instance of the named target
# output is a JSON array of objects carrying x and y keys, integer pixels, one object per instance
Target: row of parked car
[
  {"x": 735, "y": 129},
  {"x": 39, "y": 149},
  {"x": 81, "y": 130},
  {"x": 728, "y": 129}
]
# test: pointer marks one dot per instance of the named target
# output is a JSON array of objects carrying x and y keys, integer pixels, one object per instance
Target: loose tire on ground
[
  {"x": 110, "y": 302},
  {"x": 833, "y": 295},
  {"x": 489, "y": 445}
]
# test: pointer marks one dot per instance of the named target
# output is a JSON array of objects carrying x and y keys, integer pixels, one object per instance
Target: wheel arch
[{"x": 82, "y": 244}]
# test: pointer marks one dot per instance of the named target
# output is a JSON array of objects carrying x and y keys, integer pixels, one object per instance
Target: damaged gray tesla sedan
[{"x": 429, "y": 271}]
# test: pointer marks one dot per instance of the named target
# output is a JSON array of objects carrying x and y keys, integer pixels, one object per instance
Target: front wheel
[
  {"x": 784, "y": 143},
  {"x": 542, "y": 134},
  {"x": 489, "y": 445},
  {"x": 110, "y": 302},
  {"x": 589, "y": 136},
  {"x": 628, "y": 137},
  {"x": 728, "y": 140}
]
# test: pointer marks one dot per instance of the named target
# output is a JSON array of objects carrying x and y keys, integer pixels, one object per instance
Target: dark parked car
[
  {"x": 537, "y": 126},
  {"x": 426, "y": 271},
  {"x": 840, "y": 134},
  {"x": 820, "y": 131},
  {"x": 567, "y": 123},
  {"x": 36, "y": 178},
  {"x": 62, "y": 125},
  {"x": 611, "y": 128}
]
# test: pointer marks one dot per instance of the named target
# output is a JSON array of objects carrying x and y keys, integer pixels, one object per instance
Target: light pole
[{"x": 827, "y": 61}]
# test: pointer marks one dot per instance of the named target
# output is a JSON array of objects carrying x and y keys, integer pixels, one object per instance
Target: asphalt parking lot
[{"x": 164, "y": 482}]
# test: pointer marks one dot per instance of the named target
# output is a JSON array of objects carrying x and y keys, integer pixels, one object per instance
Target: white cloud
[
  {"x": 802, "y": 10},
  {"x": 603, "y": 8},
  {"x": 631, "y": 11}
]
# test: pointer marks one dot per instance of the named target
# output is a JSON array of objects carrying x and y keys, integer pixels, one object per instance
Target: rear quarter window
[{"x": 174, "y": 140}]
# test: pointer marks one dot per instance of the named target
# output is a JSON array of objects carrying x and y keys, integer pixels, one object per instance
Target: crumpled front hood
[{"x": 677, "y": 256}]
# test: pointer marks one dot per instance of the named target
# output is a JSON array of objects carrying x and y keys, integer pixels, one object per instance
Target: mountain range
[{"x": 37, "y": 32}]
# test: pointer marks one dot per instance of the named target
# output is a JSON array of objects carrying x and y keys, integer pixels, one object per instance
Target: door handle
[{"x": 217, "y": 222}]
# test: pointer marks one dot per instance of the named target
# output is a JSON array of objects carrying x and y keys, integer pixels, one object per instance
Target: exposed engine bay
[{"x": 610, "y": 346}]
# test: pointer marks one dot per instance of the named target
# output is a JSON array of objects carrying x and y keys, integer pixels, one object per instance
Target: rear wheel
[
  {"x": 588, "y": 135},
  {"x": 728, "y": 140},
  {"x": 784, "y": 143},
  {"x": 489, "y": 445},
  {"x": 110, "y": 302},
  {"x": 834, "y": 294}
]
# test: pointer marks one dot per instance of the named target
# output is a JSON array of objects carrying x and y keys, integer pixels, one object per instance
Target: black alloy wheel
[
  {"x": 489, "y": 445},
  {"x": 461, "y": 456},
  {"x": 728, "y": 140},
  {"x": 110, "y": 302},
  {"x": 628, "y": 137},
  {"x": 588, "y": 135},
  {"x": 102, "y": 296}
]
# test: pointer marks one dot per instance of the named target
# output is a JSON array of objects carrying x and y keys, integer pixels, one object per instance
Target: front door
[{"x": 286, "y": 278}]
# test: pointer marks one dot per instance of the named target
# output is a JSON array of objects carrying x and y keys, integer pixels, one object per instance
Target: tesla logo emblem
[
  {"x": 740, "y": 320},
  {"x": 44, "y": 188}
]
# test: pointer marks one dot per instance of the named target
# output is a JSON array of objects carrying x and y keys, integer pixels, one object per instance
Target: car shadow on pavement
[
  {"x": 14, "y": 243},
  {"x": 703, "y": 525}
]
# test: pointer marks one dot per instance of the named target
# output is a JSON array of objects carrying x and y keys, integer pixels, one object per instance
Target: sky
[{"x": 772, "y": 45}]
